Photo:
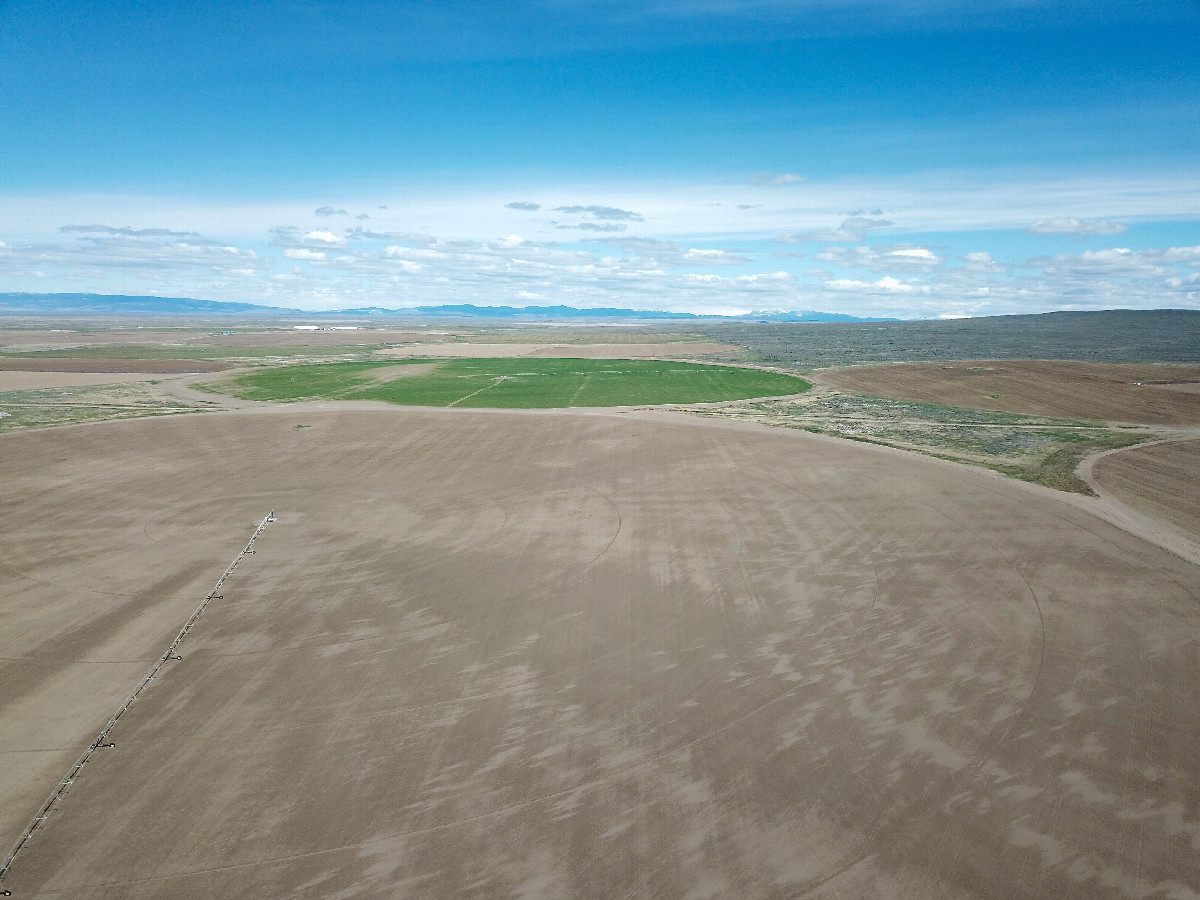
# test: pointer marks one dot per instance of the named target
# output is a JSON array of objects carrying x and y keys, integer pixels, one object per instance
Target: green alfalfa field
[{"x": 514, "y": 383}]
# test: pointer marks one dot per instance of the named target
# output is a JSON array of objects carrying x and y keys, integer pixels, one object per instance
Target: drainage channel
[{"x": 101, "y": 740}]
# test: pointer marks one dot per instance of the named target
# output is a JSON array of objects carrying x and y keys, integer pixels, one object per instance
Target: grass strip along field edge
[{"x": 1040, "y": 449}]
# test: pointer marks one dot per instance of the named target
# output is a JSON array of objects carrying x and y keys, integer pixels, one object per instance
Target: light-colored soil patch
[
  {"x": 457, "y": 350},
  {"x": 1117, "y": 393},
  {"x": 29, "y": 339},
  {"x": 131, "y": 366},
  {"x": 384, "y": 374},
  {"x": 292, "y": 338},
  {"x": 1162, "y": 481},
  {"x": 603, "y": 654},
  {"x": 35, "y": 381},
  {"x": 679, "y": 350}
]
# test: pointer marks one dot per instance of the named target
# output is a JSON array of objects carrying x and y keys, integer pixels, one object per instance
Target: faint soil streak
[{"x": 102, "y": 737}]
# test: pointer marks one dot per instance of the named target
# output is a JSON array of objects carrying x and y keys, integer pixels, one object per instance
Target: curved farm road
[
  {"x": 1150, "y": 490},
  {"x": 581, "y": 654}
]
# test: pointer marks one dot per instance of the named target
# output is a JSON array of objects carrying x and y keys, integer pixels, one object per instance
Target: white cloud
[
  {"x": 127, "y": 231},
  {"x": 896, "y": 256},
  {"x": 324, "y": 237},
  {"x": 653, "y": 252},
  {"x": 981, "y": 261},
  {"x": 301, "y": 253},
  {"x": 856, "y": 223},
  {"x": 782, "y": 178},
  {"x": 1188, "y": 255},
  {"x": 849, "y": 232},
  {"x": 601, "y": 212},
  {"x": 596, "y": 226},
  {"x": 399, "y": 251},
  {"x": 486, "y": 253},
  {"x": 919, "y": 254},
  {"x": 512, "y": 242},
  {"x": 712, "y": 258},
  {"x": 765, "y": 277},
  {"x": 887, "y": 283},
  {"x": 358, "y": 233},
  {"x": 825, "y": 236},
  {"x": 1118, "y": 261},
  {"x": 1072, "y": 225}
]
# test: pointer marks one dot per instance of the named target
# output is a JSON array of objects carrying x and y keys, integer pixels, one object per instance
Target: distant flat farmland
[
  {"x": 1148, "y": 394},
  {"x": 516, "y": 383}
]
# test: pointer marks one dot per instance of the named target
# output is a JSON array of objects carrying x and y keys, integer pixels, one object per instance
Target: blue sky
[{"x": 920, "y": 159}]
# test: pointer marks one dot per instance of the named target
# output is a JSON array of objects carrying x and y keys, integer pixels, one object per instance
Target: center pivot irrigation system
[{"x": 101, "y": 741}]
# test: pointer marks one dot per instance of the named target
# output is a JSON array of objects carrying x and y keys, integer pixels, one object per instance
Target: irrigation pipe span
[{"x": 44, "y": 810}]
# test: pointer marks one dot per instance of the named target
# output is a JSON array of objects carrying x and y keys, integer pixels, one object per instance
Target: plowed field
[
  {"x": 149, "y": 366},
  {"x": 548, "y": 654},
  {"x": 1145, "y": 394},
  {"x": 1162, "y": 481}
]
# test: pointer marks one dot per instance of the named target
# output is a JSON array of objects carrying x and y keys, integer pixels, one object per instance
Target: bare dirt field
[
  {"x": 1146, "y": 394},
  {"x": 681, "y": 349},
  {"x": 27, "y": 339},
  {"x": 294, "y": 338},
  {"x": 633, "y": 351},
  {"x": 1161, "y": 480},
  {"x": 145, "y": 366},
  {"x": 37, "y": 381},
  {"x": 547, "y": 654}
]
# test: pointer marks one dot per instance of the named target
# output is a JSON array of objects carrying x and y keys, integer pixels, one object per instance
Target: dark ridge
[{"x": 1154, "y": 335}]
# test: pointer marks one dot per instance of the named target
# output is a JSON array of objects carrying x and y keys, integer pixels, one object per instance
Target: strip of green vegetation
[
  {"x": 516, "y": 383},
  {"x": 1038, "y": 449},
  {"x": 87, "y": 403}
]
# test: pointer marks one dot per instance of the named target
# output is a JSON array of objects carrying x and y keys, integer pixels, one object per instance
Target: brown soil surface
[
  {"x": 1161, "y": 481},
  {"x": 681, "y": 349},
  {"x": 552, "y": 654},
  {"x": 30, "y": 338},
  {"x": 148, "y": 366},
  {"x": 634, "y": 351},
  {"x": 285, "y": 337},
  {"x": 1069, "y": 389},
  {"x": 293, "y": 338},
  {"x": 37, "y": 381}
]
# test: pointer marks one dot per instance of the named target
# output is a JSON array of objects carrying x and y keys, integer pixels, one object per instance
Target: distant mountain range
[{"x": 123, "y": 305}]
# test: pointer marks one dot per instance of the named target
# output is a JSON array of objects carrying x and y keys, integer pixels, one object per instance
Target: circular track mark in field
[{"x": 618, "y": 655}]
